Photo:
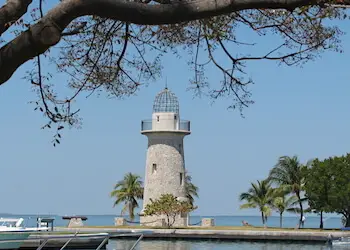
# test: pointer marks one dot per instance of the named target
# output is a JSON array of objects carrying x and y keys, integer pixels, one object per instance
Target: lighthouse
[{"x": 165, "y": 161}]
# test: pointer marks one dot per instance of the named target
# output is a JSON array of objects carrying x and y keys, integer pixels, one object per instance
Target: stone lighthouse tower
[{"x": 165, "y": 163}]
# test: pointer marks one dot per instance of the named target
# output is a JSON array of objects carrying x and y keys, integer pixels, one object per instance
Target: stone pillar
[
  {"x": 119, "y": 221},
  {"x": 208, "y": 222}
]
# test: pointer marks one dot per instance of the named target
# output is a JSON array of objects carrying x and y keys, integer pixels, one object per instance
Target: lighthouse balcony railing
[{"x": 147, "y": 125}]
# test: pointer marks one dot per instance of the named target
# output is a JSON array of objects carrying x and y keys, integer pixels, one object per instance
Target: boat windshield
[{"x": 4, "y": 222}]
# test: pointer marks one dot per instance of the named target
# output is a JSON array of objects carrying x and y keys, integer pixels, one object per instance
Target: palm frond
[
  {"x": 128, "y": 190},
  {"x": 246, "y": 196},
  {"x": 190, "y": 189},
  {"x": 288, "y": 172},
  {"x": 295, "y": 210},
  {"x": 266, "y": 210},
  {"x": 124, "y": 209},
  {"x": 248, "y": 205},
  {"x": 292, "y": 200},
  {"x": 260, "y": 195}
]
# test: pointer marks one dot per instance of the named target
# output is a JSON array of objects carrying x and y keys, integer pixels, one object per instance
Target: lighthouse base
[{"x": 162, "y": 221}]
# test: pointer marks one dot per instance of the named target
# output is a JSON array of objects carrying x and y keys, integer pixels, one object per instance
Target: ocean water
[{"x": 273, "y": 221}]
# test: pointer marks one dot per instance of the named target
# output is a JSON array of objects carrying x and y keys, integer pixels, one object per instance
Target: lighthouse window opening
[
  {"x": 175, "y": 117},
  {"x": 181, "y": 178},
  {"x": 154, "y": 168},
  {"x": 157, "y": 118}
]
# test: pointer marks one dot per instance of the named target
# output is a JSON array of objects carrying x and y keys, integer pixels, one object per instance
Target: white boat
[
  {"x": 12, "y": 229},
  {"x": 13, "y": 234}
]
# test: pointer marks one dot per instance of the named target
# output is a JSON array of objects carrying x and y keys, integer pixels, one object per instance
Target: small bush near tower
[{"x": 168, "y": 206}]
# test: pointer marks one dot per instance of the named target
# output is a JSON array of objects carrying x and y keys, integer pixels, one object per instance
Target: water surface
[{"x": 214, "y": 245}]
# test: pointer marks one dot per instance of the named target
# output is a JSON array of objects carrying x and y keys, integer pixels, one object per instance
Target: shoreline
[
  {"x": 269, "y": 235},
  {"x": 275, "y": 235}
]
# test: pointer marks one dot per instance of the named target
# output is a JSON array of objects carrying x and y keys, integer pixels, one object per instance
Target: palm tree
[
  {"x": 260, "y": 195},
  {"x": 282, "y": 202},
  {"x": 288, "y": 172},
  {"x": 128, "y": 190},
  {"x": 191, "y": 189}
]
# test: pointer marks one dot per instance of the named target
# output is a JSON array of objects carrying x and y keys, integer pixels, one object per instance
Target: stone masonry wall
[
  {"x": 165, "y": 149},
  {"x": 161, "y": 221}
]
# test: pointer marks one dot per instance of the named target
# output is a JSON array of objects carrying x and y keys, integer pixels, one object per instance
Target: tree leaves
[
  {"x": 288, "y": 173},
  {"x": 191, "y": 189},
  {"x": 128, "y": 190},
  {"x": 117, "y": 57},
  {"x": 260, "y": 195},
  {"x": 168, "y": 206},
  {"x": 328, "y": 186}
]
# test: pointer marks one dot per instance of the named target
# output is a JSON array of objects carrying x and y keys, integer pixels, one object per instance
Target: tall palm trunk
[
  {"x": 281, "y": 220},
  {"x": 131, "y": 211},
  {"x": 263, "y": 217},
  {"x": 301, "y": 208}
]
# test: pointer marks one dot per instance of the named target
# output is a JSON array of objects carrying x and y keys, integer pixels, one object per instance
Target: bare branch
[
  {"x": 76, "y": 30},
  {"x": 48, "y": 31},
  {"x": 105, "y": 45}
]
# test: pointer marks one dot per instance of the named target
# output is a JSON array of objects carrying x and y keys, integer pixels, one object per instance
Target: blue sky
[{"x": 302, "y": 111}]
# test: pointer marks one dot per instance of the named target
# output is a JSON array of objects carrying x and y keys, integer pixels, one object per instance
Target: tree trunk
[
  {"x": 321, "y": 220},
  {"x": 168, "y": 221},
  {"x": 131, "y": 212},
  {"x": 281, "y": 220},
  {"x": 301, "y": 210},
  {"x": 174, "y": 219},
  {"x": 263, "y": 218},
  {"x": 347, "y": 223}
]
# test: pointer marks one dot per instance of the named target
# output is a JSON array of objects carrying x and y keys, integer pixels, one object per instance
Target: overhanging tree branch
[
  {"x": 48, "y": 31},
  {"x": 99, "y": 55},
  {"x": 11, "y": 12}
]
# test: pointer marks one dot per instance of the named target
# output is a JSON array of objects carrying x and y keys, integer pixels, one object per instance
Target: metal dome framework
[{"x": 166, "y": 101}]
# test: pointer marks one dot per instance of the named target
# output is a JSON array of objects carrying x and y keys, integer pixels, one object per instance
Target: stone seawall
[
  {"x": 246, "y": 235},
  {"x": 253, "y": 235}
]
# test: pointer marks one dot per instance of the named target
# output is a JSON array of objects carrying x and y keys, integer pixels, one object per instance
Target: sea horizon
[{"x": 289, "y": 221}]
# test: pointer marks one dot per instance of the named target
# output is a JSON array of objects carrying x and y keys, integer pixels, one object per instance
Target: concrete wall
[
  {"x": 165, "y": 121},
  {"x": 165, "y": 169},
  {"x": 235, "y": 234},
  {"x": 150, "y": 245},
  {"x": 162, "y": 221}
]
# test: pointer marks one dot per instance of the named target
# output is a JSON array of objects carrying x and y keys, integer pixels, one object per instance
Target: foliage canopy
[
  {"x": 168, "y": 206},
  {"x": 328, "y": 187},
  {"x": 128, "y": 191},
  {"x": 115, "y": 46},
  {"x": 260, "y": 195}
]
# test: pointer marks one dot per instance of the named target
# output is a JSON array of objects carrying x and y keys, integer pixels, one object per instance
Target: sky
[{"x": 301, "y": 111}]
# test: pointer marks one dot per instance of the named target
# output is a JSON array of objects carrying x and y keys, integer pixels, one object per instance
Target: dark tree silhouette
[{"x": 105, "y": 44}]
